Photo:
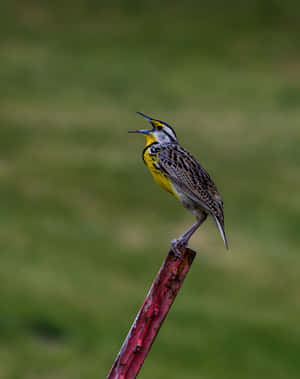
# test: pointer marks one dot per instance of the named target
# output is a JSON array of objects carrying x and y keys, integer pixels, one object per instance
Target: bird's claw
[{"x": 178, "y": 246}]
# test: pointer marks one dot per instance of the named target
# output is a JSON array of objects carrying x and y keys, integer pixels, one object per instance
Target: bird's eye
[{"x": 159, "y": 127}]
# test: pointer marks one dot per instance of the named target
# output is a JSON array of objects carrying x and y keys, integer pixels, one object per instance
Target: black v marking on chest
[{"x": 146, "y": 148}]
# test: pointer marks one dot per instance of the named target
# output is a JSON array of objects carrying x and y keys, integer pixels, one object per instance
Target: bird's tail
[{"x": 222, "y": 231}]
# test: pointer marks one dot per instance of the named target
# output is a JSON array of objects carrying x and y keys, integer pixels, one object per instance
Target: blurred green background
[{"x": 84, "y": 228}]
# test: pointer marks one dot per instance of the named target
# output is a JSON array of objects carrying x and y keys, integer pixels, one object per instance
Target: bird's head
[{"x": 160, "y": 132}]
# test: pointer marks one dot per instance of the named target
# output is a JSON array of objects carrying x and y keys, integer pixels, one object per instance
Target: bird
[{"x": 179, "y": 173}]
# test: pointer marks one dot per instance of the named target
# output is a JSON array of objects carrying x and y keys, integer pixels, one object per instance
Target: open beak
[{"x": 143, "y": 131}]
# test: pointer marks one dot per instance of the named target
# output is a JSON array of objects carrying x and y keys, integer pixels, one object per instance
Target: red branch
[{"x": 151, "y": 315}]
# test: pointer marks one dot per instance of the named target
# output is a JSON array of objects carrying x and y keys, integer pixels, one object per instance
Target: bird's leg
[{"x": 182, "y": 242}]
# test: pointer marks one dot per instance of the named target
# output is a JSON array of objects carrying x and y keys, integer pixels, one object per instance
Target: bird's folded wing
[{"x": 188, "y": 175}]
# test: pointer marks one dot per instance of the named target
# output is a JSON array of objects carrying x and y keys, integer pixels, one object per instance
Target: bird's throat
[{"x": 150, "y": 138}]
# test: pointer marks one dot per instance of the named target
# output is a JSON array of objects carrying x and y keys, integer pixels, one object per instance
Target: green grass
[{"x": 83, "y": 228}]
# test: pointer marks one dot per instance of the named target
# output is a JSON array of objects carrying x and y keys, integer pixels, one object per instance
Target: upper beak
[
  {"x": 146, "y": 117},
  {"x": 143, "y": 131}
]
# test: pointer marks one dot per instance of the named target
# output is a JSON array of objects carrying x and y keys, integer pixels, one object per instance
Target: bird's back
[
  {"x": 191, "y": 180},
  {"x": 193, "y": 184}
]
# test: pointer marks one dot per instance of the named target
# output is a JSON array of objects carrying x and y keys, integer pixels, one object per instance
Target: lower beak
[{"x": 143, "y": 131}]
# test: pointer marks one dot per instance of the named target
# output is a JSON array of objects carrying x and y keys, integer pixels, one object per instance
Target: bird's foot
[{"x": 178, "y": 246}]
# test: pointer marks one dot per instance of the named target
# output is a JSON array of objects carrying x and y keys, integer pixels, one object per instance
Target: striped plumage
[{"x": 177, "y": 171}]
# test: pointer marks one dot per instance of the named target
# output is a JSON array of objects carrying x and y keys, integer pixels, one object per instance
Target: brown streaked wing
[{"x": 187, "y": 173}]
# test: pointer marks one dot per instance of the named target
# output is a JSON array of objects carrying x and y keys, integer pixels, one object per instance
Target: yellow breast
[{"x": 158, "y": 176}]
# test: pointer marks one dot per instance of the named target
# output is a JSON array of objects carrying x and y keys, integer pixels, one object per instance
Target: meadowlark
[{"x": 178, "y": 172}]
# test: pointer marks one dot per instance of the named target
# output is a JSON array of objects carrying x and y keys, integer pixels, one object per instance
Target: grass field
[{"x": 84, "y": 228}]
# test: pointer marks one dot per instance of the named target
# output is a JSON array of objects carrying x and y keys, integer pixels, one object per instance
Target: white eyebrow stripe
[{"x": 169, "y": 135}]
